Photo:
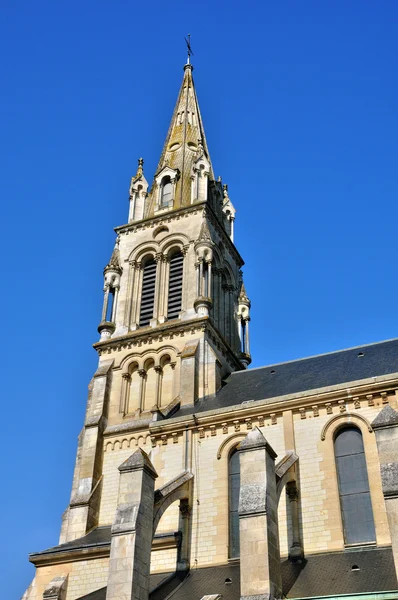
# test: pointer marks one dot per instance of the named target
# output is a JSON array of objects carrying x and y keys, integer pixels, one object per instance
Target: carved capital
[
  {"x": 126, "y": 376},
  {"x": 292, "y": 491},
  {"x": 158, "y": 369},
  {"x": 142, "y": 373},
  {"x": 185, "y": 510}
]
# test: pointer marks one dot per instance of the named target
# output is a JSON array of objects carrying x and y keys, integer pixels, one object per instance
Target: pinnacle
[
  {"x": 140, "y": 170},
  {"x": 114, "y": 261},
  {"x": 387, "y": 417},
  {"x": 138, "y": 460}
]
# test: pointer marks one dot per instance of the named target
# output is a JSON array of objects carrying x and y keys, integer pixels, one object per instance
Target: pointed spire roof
[
  {"x": 114, "y": 261},
  {"x": 185, "y": 144},
  {"x": 186, "y": 130}
]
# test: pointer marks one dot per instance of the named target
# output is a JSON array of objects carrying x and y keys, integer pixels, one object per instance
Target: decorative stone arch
[
  {"x": 342, "y": 420},
  {"x": 130, "y": 359},
  {"x": 173, "y": 240},
  {"x": 148, "y": 247},
  {"x": 326, "y": 449},
  {"x": 158, "y": 230},
  {"x": 178, "y": 489},
  {"x": 230, "y": 443}
]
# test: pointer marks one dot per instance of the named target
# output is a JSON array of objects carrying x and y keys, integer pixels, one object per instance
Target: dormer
[
  {"x": 199, "y": 178},
  {"x": 165, "y": 191},
  {"x": 138, "y": 193}
]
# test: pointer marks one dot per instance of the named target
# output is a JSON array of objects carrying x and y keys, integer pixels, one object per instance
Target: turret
[
  {"x": 112, "y": 273},
  {"x": 243, "y": 322}
]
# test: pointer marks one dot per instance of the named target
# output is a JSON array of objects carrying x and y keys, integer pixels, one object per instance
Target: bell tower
[
  {"x": 175, "y": 314},
  {"x": 173, "y": 285}
]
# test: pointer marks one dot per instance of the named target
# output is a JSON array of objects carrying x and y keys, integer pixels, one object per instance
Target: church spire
[{"x": 185, "y": 152}]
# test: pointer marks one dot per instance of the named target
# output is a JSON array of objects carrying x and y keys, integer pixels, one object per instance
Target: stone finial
[
  {"x": 387, "y": 417},
  {"x": 243, "y": 297},
  {"x": 254, "y": 440},
  {"x": 140, "y": 170},
  {"x": 138, "y": 460}
]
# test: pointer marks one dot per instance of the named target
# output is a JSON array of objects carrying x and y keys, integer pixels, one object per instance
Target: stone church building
[{"x": 198, "y": 478}]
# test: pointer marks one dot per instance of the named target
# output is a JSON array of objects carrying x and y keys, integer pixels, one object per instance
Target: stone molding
[
  {"x": 345, "y": 418},
  {"x": 233, "y": 437},
  {"x": 243, "y": 415},
  {"x": 169, "y": 331}
]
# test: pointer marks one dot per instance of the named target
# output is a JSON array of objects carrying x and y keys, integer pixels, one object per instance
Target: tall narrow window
[
  {"x": 109, "y": 305},
  {"x": 234, "y": 485},
  {"x": 355, "y": 503},
  {"x": 166, "y": 191},
  {"x": 175, "y": 286},
  {"x": 148, "y": 292}
]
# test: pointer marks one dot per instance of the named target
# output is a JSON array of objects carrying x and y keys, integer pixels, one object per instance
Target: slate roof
[
  {"x": 297, "y": 376},
  {"x": 317, "y": 575},
  {"x": 100, "y": 536}
]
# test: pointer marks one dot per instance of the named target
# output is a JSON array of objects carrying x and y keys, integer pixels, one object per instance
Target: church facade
[{"x": 195, "y": 476}]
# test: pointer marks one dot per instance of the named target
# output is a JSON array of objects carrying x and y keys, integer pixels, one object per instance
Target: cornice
[
  {"x": 149, "y": 222},
  {"x": 176, "y": 215},
  {"x": 329, "y": 399},
  {"x": 149, "y": 335},
  {"x": 168, "y": 331}
]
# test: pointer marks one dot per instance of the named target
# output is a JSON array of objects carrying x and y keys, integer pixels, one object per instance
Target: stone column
[
  {"x": 158, "y": 393},
  {"x": 141, "y": 400},
  {"x": 185, "y": 526},
  {"x": 124, "y": 396},
  {"x": 295, "y": 550},
  {"x": 385, "y": 427},
  {"x": 131, "y": 542},
  {"x": 114, "y": 307},
  {"x": 105, "y": 304},
  {"x": 258, "y": 520}
]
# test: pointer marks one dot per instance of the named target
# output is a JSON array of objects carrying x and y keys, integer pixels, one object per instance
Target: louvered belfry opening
[
  {"x": 175, "y": 286},
  {"x": 148, "y": 292}
]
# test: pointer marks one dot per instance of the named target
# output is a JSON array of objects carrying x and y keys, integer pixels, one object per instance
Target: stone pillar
[
  {"x": 189, "y": 373},
  {"x": 185, "y": 526},
  {"x": 295, "y": 550},
  {"x": 385, "y": 427},
  {"x": 132, "y": 530},
  {"x": 84, "y": 503},
  {"x": 258, "y": 520}
]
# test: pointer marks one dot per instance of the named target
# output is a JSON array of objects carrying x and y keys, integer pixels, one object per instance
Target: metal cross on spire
[{"x": 190, "y": 53}]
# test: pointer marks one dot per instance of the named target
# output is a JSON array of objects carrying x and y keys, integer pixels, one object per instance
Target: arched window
[
  {"x": 355, "y": 503},
  {"x": 148, "y": 292},
  {"x": 233, "y": 497},
  {"x": 175, "y": 285},
  {"x": 166, "y": 191}
]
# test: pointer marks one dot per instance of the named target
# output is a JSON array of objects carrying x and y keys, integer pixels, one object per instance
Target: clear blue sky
[{"x": 299, "y": 101}]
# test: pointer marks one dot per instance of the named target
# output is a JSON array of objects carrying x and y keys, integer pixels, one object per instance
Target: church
[{"x": 199, "y": 478}]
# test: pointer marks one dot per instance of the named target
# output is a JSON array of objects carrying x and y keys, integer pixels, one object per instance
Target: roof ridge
[{"x": 285, "y": 362}]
